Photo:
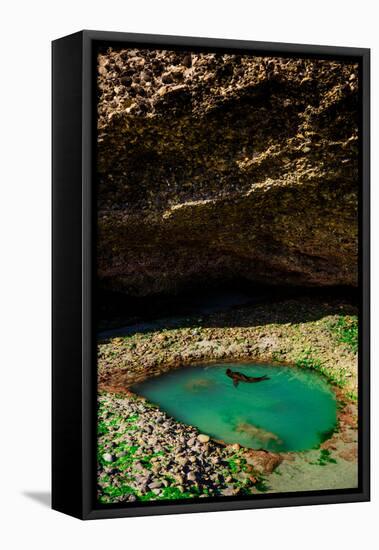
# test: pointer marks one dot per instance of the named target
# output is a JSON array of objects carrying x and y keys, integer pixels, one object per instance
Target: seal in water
[{"x": 239, "y": 377}]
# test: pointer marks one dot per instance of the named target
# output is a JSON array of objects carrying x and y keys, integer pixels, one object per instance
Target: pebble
[
  {"x": 155, "y": 485},
  {"x": 228, "y": 492},
  {"x": 108, "y": 457},
  {"x": 187, "y": 458}
]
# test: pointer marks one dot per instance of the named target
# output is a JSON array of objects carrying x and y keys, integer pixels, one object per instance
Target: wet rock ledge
[{"x": 214, "y": 166}]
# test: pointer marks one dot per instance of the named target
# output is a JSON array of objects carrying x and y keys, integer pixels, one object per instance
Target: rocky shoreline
[
  {"x": 296, "y": 331},
  {"x": 146, "y": 455},
  {"x": 143, "y": 454}
]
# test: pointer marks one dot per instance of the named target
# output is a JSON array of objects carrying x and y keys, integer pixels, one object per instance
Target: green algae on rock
[{"x": 145, "y": 455}]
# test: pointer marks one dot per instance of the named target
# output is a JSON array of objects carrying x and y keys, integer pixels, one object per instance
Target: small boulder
[{"x": 108, "y": 457}]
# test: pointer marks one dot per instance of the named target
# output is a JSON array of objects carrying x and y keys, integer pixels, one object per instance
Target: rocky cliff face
[{"x": 213, "y": 166}]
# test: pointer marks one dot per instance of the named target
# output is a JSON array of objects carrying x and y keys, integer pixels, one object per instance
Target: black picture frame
[{"x": 73, "y": 337}]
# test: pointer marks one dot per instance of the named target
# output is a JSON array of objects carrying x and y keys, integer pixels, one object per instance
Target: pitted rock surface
[{"x": 216, "y": 166}]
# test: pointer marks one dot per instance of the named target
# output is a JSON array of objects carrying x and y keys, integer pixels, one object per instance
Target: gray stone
[
  {"x": 155, "y": 485},
  {"x": 228, "y": 492},
  {"x": 108, "y": 457}
]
